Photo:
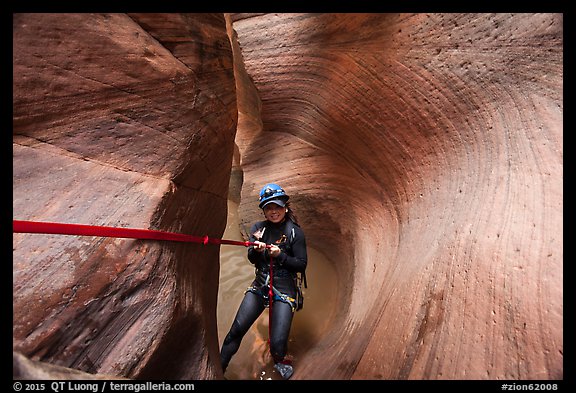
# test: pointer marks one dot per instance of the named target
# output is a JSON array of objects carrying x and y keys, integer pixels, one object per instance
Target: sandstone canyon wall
[
  {"x": 127, "y": 121},
  {"x": 423, "y": 153},
  {"x": 424, "y": 156}
]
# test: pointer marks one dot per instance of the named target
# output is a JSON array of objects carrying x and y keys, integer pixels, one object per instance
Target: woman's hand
[
  {"x": 259, "y": 246},
  {"x": 274, "y": 251}
]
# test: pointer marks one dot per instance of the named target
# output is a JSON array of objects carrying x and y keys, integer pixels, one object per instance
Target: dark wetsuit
[{"x": 292, "y": 259}]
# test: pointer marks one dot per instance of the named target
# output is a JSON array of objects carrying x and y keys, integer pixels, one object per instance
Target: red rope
[
  {"x": 19, "y": 226},
  {"x": 270, "y": 301}
]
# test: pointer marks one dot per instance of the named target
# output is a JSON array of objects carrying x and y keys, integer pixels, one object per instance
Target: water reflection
[{"x": 253, "y": 360}]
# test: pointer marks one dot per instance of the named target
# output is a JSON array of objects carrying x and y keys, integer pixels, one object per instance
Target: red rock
[
  {"x": 121, "y": 121},
  {"x": 422, "y": 152}
]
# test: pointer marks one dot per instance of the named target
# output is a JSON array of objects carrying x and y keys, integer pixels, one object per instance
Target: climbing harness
[{"x": 264, "y": 292}]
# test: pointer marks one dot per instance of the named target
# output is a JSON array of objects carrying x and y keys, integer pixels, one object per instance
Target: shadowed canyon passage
[{"x": 423, "y": 154}]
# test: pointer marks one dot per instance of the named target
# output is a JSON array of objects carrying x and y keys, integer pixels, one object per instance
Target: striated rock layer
[
  {"x": 26, "y": 369},
  {"x": 423, "y": 153},
  {"x": 127, "y": 121}
]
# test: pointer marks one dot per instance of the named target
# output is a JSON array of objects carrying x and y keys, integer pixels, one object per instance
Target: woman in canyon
[{"x": 279, "y": 244}]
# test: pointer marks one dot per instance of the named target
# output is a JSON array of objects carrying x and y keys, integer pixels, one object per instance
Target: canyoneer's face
[{"x": 274, "y": 213}]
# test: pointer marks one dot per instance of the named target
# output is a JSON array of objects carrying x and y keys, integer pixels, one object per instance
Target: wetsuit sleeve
[{"x": 299, "y": 261}]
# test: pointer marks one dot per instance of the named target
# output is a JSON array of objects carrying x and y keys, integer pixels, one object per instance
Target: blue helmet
[{"x": 272, "y": 193}]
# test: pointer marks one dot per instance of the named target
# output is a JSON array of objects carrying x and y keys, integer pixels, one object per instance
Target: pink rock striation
[
  {"x": 128, "y": 121},
  {"x": 423, "y": 153},
  {"x": 424, "y": 156}
]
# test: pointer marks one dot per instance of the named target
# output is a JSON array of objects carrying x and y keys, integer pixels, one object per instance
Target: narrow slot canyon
[{"x": 423, "y": 154}]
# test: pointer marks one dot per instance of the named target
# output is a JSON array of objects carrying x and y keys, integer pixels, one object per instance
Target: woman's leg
[
  {"x": 281, "y": 321},
  {"x": 251, "y": 307}
]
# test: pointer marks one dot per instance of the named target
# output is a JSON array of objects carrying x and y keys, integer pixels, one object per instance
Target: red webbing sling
[{"x": 19, "y": 226}]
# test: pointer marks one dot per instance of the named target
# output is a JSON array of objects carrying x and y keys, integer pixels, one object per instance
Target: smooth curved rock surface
[
  {"x": 424, "y": 156},
  {"x": 423, "y": 153}
]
